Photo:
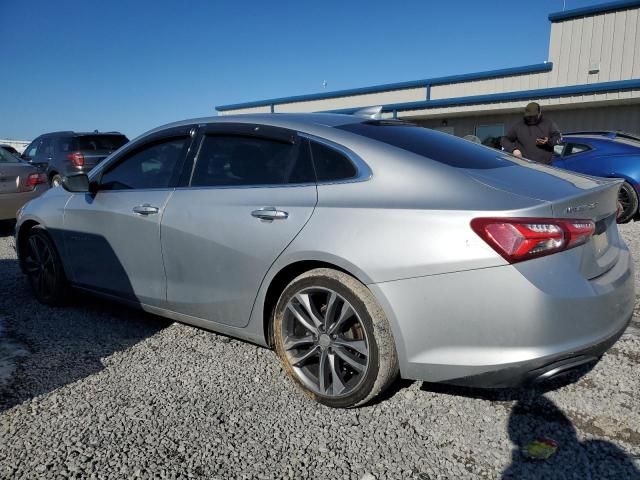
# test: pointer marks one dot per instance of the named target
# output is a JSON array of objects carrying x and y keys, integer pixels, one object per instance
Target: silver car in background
[
  {"x": 19, "y": 183},
  {"x": 358, "y": 248}
]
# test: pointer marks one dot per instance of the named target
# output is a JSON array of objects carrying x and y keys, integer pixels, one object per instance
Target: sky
[{"x": 134, "y": 65}]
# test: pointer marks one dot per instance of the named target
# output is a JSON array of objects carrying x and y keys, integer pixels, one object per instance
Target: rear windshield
[
  {"x": 99, "y": 142},
  {"x": 441, "y": 147},
  {"x": 6, "y": 157}
]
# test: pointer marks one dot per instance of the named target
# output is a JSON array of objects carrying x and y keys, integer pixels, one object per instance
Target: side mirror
[{"x": 77, "y": 183}]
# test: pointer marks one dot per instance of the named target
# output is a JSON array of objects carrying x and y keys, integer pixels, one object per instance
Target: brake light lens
[
  {"x": 32, "y": 180},
  {"x": 77, "y": 158},
  {"x": 518, "y": 239}
]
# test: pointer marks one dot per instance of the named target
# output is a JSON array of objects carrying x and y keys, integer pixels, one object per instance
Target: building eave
[{"x": 594, "y": 10}]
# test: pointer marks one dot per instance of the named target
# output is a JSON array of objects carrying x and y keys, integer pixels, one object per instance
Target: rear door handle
[
  {"x": 145, "y": 209},
  {"x": 269, "y": 213}
]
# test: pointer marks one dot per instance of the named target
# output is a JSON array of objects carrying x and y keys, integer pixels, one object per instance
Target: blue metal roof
[
  {"x": 503, "y": 72},
  {"x": 594, "y": 9},
  {"x": 509, "y": 96}
]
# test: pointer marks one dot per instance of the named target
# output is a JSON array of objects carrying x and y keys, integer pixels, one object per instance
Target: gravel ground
[{"x": 100, "y": 391}]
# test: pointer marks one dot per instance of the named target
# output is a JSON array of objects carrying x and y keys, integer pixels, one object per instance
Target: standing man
[{"x": 533, "y": 137}]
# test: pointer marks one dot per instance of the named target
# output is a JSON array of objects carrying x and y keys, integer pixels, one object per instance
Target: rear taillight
[
  {"x": 77, "y": 158},
  {"x": 518, "y": 239},
  {"x": 34, "y": 179}
]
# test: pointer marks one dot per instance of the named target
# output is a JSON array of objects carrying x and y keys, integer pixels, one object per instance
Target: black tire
[
  {"x": 369, "y": 323},
  {"x": 43, "y": 267},
  {"x": 56, "y": 180},
  {"x": 628, "y": 197}
]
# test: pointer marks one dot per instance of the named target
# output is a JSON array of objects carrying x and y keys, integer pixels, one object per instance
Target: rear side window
[
  {"x": 574, "y": 148},
  {"x": 46, "y": 147},
  {"x": 230, "y": 160},
  {"x": 330, "y": 164},
  {"x": 99, "y": 142},
  {"x": 65, "y": 144},
  {"x": 447, "y": 149}
]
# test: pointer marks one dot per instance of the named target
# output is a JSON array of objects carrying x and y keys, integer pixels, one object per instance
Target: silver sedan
[
  {"x": 19, "y": 183},
  {"x": 360, "y": 249}
]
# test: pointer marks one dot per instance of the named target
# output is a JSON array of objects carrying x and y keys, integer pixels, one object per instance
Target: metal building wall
[
  {"x": 611, "y": 40},
  {"x": 621, "y": 117}
]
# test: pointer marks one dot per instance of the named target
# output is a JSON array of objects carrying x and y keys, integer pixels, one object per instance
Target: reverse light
[
  {"x": 77, "y": 158},
  {"x": 518, "y": 239}
]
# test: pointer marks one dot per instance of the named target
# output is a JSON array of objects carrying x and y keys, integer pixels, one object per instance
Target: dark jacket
[{"x": 523, "y": 137}]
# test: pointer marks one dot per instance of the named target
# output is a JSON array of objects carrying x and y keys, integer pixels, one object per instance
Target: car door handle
[
  {"x": 145, "y": 209},
  {"x": 269, "y": 213}
]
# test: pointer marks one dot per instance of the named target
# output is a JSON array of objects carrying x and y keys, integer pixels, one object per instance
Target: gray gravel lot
[{"x": 100, "y": 391}]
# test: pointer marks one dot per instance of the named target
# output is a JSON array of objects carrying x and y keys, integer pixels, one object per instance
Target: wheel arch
[
  {"x": 21, "y": 238},
  {"x": 284, "y": 275}
]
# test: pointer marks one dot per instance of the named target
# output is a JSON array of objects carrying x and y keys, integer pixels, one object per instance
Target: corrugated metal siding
[
  {"x": 622, "y": 117},
  {"x": 395, "y": 96},
  {"x": 493, "y": 85},
  {"x": 610, "y": 39}
]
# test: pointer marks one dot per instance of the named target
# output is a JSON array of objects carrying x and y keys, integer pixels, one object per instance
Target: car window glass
[
  {"x": 32, "y": 149},
  {"x": 228, "y": 160},
  {"x": 99, "y": 142},
  {"x": 46, "y": 147},
  {"x": 557, "y": 149},
  {"x": 6, "y": 157},
  {"x": 447, "y": 149},
  {"x": 574, "y": 148},
  {"x": 64, "y": 144},
  {"x": 150, "y": 167},
  {"x": 330, "y": 164}
]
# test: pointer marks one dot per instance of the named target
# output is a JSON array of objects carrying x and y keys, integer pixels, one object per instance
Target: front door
[
  {"x": 112, "y": 237},
  {"x": 251, "y": 192}
]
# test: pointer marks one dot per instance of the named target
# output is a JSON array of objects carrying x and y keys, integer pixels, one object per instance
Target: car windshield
[
  {"x": 6, "y": 157},
  {"x": 443, "y": 148},
  {"x": 99, "y": 142}
]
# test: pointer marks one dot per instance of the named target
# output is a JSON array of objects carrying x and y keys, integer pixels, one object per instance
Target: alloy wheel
[
  {"x": 325, "y": 342},
  {"x": 41, "y": 267}
]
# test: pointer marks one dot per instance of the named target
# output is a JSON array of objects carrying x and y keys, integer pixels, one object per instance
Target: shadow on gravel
[
  {"x": 533, "y": 416},
  {"x": 64, "y": 344},
  {"x": 590, "y": 459},
  {"x": 7, "y": 228}
]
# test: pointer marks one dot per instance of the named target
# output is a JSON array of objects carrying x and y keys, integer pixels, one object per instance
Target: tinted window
[
  {"x": 574, "y": 148},
  {"x": 65, "y": 144},
  {"x": 32, "y": 150},
  {"x": 99, "y": 142},
  {"x": 330, "y": 164},
  {"x": 447, "y": 149},
  {"x": 46, "y": 147},
  {"x": 152, "y": 166},
  {"x": 226, "y": 160},
  {"x": 6, "y": 157}
]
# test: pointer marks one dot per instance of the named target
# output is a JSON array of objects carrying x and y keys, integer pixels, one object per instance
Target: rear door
[
  {"x": 112, "y": 237},
  {"x": 250, "y": 192}
]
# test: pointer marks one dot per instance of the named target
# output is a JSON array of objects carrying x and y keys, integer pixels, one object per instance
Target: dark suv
[{"x": 64, "y": 153}]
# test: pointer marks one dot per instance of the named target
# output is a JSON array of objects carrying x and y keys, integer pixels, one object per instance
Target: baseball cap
[{"x": 532, "y": 110}]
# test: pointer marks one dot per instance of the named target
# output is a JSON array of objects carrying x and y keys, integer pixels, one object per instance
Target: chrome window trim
[{"x": 363, "y": 171}]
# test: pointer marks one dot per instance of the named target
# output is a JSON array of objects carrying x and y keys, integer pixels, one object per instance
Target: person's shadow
[{"x": 539, "y": 417}]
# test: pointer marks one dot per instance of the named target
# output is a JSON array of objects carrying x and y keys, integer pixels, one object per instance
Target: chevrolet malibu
[{"x": 359, "y": 249}]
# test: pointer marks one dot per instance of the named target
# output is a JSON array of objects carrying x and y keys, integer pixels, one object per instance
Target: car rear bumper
[
  {"x": 505, "y": 326},
  {"x": 11, "y": 202}
]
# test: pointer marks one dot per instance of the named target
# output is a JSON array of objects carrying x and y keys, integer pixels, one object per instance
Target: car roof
[
  {"x": 78, "y": 134},
  {"x": 288, "y": 120}
]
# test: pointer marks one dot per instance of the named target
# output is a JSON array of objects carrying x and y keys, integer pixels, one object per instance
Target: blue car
[{"x": 605, "y": 154}]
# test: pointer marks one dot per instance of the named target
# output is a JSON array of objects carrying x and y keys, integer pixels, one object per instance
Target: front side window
[
  {"x": 151, "y": 166},
  {"x": 65, "y": 144},
  {"x": 330, "y": 164},
  {"x": 557, "y": 149},
  {"x": 229, "y": 160}
]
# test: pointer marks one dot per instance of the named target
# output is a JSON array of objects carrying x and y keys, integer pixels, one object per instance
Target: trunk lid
[
  {"x": 570, "y": 196},
  {"x": 13, "y": 176}
]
